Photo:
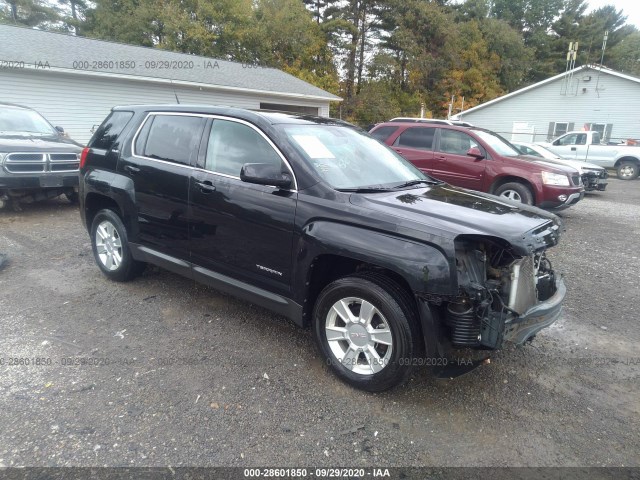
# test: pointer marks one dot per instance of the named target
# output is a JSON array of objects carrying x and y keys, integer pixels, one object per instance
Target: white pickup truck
[{"x": 586, "y": 146}]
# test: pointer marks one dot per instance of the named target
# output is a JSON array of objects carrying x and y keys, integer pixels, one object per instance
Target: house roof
[
  {"x": 63, "y": 52},
  {"x": 583, "y": 68}
]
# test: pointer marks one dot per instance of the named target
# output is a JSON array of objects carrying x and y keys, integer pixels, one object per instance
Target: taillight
[{"x": 83, "y": 156}]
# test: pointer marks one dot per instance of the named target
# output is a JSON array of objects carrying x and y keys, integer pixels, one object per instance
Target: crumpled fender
[{"x": 426, "y": 268}]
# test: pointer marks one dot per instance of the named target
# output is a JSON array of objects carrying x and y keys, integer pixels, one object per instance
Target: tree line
[{"x": 385, "y": 58}]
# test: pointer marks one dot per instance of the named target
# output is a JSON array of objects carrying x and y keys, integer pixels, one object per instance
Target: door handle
[
  {"x": 441, "y": 157},
  {"x": 131, "y": 169},
  {"x": 573, "y": 149},
  {"x": 206, "y": 187}
]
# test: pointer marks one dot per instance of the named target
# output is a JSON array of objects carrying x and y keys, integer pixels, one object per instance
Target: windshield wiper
[
  {"x": 418, "y": 182},
  {"x": 364, "y": 190}
]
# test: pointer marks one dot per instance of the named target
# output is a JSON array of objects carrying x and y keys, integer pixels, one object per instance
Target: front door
[
  {"x": 238, "y": 229},
  {"x": 160, "y": 167},
  {"x": 572, "y": 146},
  {"x": 453, "y": 165}
]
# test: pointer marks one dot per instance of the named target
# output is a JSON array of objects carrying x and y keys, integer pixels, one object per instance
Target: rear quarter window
[
  {"x": 383, "y": 133},
  {"x": 106, "y": 137}
]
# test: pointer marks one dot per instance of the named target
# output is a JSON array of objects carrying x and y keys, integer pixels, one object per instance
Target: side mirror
[
  {"x": 265, "y": 174},
  {"x": 557, "y": 142},
  {"x": 475, "y": 153},
  {"x": 60, "y": 129}
]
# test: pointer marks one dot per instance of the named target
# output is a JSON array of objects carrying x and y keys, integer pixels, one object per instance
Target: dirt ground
[{"x": 163, "y": 371}]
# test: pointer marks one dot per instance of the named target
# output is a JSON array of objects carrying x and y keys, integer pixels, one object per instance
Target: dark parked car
[
  {"x": 36, "y": 160},
  {"x": 482, "y": 160},
  {"x": 319, "y": 222}
]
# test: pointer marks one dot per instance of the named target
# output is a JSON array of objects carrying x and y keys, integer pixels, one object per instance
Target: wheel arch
[
  {"x": 326, "y": 268},
  {"x": 627, "y": 158},
  {"x": 498, "y": 182},
  {"x": 416, "y": 268},
  {"x": 94, "y": 202},
  {"x": 104, "y": 189}
]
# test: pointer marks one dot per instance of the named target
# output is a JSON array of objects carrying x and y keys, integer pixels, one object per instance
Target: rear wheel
[
  {"x": 367, "y": 332},
  {"x": 516, "y": 191},
  {"x": 628, "y": 170},
  {"x": 111, "y": 248}
]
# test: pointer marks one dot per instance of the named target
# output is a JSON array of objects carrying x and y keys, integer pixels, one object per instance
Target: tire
[
  {"x": 110, "y": 247},
  {"x": 516, "y": 191},
  {"x": 628, "y": 170},
  {"x": 73, "y": 197},
  {"x": 389, "y": 361}
]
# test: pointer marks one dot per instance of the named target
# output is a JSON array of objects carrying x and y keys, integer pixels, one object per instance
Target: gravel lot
[{"x": 190, "y": 377}]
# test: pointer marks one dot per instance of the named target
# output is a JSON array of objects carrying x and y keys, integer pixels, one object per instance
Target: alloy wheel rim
[
  {"x": 512, "y": 195},
  {"x": 359, "y": 336},
  {"x": 108, "y": 245},
  {"x": 626, "y": 171}
]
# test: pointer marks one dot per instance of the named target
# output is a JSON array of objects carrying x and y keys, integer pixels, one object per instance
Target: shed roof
[{"x": 60, "y": 51}]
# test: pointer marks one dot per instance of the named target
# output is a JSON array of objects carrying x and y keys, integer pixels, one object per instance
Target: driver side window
[
  {"x": 569, "y": 140},
  {"x": 456, "y": 143},
  {"x": 232, "y": 144}
]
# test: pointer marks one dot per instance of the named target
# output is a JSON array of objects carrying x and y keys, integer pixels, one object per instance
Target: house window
[
  {"x": 560, "y": 128},
  {"x": 604, "y": 129}
]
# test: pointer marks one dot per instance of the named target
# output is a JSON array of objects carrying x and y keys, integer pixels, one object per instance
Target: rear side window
[
  {"x": 417, "y": 137},
  {"x": 383, "y": 133},
  {"x": 107, "y": 134},
  {"x": 173, "y": 138}
]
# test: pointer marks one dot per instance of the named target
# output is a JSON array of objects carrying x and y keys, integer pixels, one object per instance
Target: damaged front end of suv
[{"x": 508, "y": 291}]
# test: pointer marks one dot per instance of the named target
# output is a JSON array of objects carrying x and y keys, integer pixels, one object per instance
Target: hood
[
  {"x": 457, "y": 211},
  {"x": 48, "y": 144},
  {"x": 549, "y": 165},
  {"x": 577, "y": 164}
]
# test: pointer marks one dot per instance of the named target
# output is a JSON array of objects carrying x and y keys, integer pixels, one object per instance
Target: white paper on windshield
[{"x": 313, "y": 146}]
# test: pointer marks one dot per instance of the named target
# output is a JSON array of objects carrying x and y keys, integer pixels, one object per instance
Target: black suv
[
  {"x": 36, "y": 160},
  {"x": 316, "y": 220}
]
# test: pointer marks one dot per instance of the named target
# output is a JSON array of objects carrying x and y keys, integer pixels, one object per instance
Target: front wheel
[
  {"x": 73, "y": 197},
  {"x": 628, "y": 170},
  {"x": 111, "y": 248},
  {"x": 367, "y": 332},
  {"x": 516, "y": 191}
]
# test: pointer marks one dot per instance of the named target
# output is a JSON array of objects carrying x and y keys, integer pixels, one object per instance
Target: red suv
[{"x": 481, "y": 160}]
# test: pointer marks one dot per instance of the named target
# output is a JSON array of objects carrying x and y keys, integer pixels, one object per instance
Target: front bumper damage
[
  {"x": 523, "y": 327},
  {"x": 595, "y": 181}
]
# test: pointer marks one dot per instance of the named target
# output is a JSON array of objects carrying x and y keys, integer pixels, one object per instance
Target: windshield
[
  {"x": 545, "y": 152},
  {"x": 14, "y": 120},
  {"x": 499, "y": 144},
  {"x": 349, "y": 160}
]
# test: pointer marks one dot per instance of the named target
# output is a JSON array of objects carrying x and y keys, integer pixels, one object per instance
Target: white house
[
  {"x": 75, "y": 81},
  {"x": 586, "y": 97}
]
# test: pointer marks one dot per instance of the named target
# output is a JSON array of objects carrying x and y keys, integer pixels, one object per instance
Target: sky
[{"x": 631, "y": 8}]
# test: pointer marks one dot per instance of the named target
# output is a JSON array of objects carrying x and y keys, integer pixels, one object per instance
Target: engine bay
[{"x": 496, "y": 287}]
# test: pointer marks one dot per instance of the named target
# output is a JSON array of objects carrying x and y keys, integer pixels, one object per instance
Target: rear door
[
  {"x": 238, "y": 229},
  {"x": 416, "y": 145},
  {"x": 453, "y": 165},
  {"x": 164, "y": 152}
]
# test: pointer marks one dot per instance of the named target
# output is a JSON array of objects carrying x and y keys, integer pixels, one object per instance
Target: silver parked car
[{"x": 593, "y": 176}]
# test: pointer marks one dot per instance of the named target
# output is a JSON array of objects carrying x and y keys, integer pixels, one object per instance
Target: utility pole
[
  {"x": 571, "y": 62},
  {"x": 604, "y": 46}
]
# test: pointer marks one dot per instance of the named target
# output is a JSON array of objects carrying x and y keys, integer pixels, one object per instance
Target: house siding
[
  {"x": 617, "y": 102},
  {"x": 78, "y": 103}
]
